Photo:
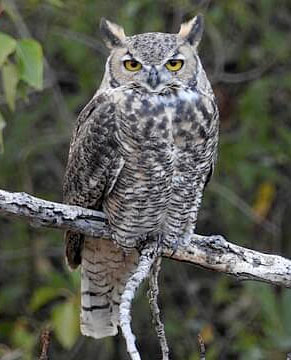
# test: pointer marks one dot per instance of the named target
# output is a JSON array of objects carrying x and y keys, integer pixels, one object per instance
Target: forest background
[{"x": 246, "y": 52}]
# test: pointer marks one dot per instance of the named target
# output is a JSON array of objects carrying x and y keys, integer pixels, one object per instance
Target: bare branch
[
  {"x": 153, "y": 300},
  {"x": 253, "y": 74},
  {"x": 45, "y": 343},
  {"x": 244, "y": 207},
  {"x": 215, "y": 253},
  {"x": 42, "y": 213},
  {"x": 210, "y": 252},
  {"x": 147, "y": 258},
  {"x": 201, "y": 347},
  {"x": 83, "y": 39}
]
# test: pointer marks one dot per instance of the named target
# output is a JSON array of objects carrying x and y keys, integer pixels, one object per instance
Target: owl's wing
[
  {"x": 93, "y": 164},
  {"x": 214, "y": 140}
]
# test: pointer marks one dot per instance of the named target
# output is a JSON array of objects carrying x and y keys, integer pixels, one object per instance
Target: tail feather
[{"x": 104, "y": 271}]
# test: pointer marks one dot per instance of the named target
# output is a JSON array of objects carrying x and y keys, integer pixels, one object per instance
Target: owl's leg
[
  {"x": 171, "y": 241},
  {"x": 174, "y": 242},
  {"x": 153, "y": 300},
  {"x": 186, "y": 237}
]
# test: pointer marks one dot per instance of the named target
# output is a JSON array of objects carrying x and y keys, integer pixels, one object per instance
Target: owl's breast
[
  {"x": 181, "y": 121},
  {"x": 144, "y": 120},
  {"x": 158, "y": 137}
]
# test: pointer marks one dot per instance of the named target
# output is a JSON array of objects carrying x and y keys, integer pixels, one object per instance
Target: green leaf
[
  {"x": 10, "y": 78},
  {"x": 2, "y": 126},
  {"x": 22, "y": 337},
  {"x": 56, "y": 3},
  {"x": 30, "y": 60},
  {"x": 43, "y": 296},
  {"x": 75, "y": 278},
  {"x": 65, "y": 319},
  {"x": 8, "y": 45}
]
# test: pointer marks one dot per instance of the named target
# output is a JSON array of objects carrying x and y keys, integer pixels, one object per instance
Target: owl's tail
[{"x": 104, "y": 271}]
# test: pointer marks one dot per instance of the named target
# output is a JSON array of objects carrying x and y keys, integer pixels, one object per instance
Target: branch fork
[{"x": 210, "y": 252}]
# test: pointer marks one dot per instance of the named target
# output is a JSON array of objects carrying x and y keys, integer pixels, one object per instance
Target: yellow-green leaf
[
  {"x": 10, "y": 79},
  {"x": 264, "y": 199},
  {"x": 22, "y": 336},
  {"x": 43, "y": 296},
  {"x": 57, "y": 3},
  {"x": 2, "y": 126},
  {"x": 7, "y": 47},
  {"x": 65, "y": 319},
  {"x": 30, "y": 60}
]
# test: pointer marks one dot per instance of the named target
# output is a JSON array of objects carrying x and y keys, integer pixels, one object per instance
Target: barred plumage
[{"x": 142, "y": 151}]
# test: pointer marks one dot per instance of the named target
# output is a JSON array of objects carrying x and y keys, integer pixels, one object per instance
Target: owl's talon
[{"x": 172, "y": 244}]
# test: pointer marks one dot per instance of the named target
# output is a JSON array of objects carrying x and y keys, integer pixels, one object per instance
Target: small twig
[
  {"x": 253, "y": 74},
  {"x": 218, "y": 49},
  {"x": 83, "y": 39},
  {"x": 45, "y": 343},
  {"x": 201, "y": 347},
  {"x": 153, "y": 300},
  {"x": 243, "y": 206},
  {"x": 146, "y": 260},
  {"x": 220, "y": 59}
]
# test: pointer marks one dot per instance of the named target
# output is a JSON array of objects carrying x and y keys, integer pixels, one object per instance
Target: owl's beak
[{"x": 153, "y": 78}]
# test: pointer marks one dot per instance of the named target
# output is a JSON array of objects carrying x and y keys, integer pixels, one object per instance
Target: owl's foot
[
  {"x": 157, "y": 239},
  {"x": 186, "y": 238},
  {"x": 160, "y": 240},
  {"x": 174, "y": 242}
]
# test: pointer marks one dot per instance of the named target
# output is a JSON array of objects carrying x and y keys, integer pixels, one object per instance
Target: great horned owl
[{"x": 142, "y": 151}]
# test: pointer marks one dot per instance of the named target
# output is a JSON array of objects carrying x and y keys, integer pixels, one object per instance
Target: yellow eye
[
  {"x": 132, "y": 65},
  {"x": 174, "y": 65}
]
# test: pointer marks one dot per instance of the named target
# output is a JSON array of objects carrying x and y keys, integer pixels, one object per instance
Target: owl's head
[{"x": 154, "y": 62}]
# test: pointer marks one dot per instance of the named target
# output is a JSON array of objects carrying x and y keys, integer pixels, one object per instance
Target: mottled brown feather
[{"x": 142, "y": 151}]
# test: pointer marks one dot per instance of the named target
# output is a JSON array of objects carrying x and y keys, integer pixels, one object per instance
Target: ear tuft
[
  {"x": 113, "y": 34},
  {"x": 192, "y": 30}
]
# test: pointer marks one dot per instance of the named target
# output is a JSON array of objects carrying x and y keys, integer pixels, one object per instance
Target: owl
[{"x": 142, "y": 152}]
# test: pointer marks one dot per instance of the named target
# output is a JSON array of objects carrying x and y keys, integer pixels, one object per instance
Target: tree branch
[
  {"x": 210, "y": 252},
  {"x": 146, "y": 260},
  {"x": 153, "y": 293}
]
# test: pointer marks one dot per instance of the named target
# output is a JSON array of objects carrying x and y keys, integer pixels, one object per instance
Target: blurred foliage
[
  {"x": 246, "y": 52},
  {"x": 19, "y": 61}
]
